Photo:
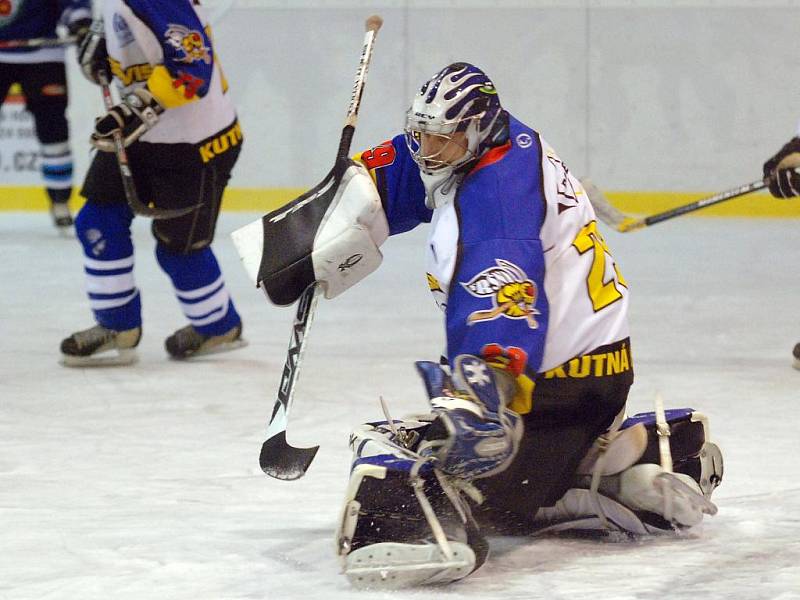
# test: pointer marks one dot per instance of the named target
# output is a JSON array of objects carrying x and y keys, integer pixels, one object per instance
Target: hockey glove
[
  {"x": 79, "y": 28},
  {"x": 474, "y": 434},
  {"x": 93, "y": 55},
  {"x": 779, "y": 171},
  {"x": 137, "y": 113}
]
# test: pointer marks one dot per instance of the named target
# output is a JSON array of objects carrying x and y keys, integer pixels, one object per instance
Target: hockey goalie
[{"x": 525, "y": 428}]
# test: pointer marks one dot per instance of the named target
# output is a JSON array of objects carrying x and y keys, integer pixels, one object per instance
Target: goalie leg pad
[
  {"x": 693, "y": 452},
  {"x": 385, "y": 538}
]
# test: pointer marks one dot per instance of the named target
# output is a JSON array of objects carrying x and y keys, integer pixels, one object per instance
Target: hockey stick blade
[
  {"x": 607, "y": 212},
  {"x": 280, "y": 460}
]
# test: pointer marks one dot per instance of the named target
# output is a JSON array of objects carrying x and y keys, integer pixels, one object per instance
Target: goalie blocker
[{"x": 329, "y": 235}]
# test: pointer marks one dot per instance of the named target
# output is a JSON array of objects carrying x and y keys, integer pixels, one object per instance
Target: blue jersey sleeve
[
  {"x": 397, "y": 177},
  {"x": 496, "y": 303},
  {"x": 188, "y": 55}
]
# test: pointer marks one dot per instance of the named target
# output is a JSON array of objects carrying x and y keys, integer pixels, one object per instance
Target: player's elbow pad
[{"x": 330, "y": 235}]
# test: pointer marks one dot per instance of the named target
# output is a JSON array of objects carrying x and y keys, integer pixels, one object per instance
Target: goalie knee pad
[
  {"x": 693, "y": 452},
  {"x": 636, "y": 495},
  {"x": 402, "y": 524}
]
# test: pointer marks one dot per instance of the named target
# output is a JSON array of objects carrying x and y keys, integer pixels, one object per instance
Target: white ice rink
[{"x": 143, "y": 482}]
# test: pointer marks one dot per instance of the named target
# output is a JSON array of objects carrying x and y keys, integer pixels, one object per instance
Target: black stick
[
  {"x": 278, "y": 458},
  {"x": 128, "y": 184}
]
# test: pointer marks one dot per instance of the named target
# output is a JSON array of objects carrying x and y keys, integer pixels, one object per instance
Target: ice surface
[{"x": 143, "y": 482}]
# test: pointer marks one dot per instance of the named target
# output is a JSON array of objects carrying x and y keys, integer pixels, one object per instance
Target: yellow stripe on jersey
[
  {"x": 169, "y": 92},
  {"x": 132, "y": 74},
  {"x": 523, "y": 397}
]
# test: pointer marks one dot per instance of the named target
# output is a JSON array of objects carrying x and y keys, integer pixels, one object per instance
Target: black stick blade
[{"x": 280, "y": 460}]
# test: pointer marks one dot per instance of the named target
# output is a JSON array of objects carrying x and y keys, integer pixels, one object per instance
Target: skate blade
[
  {"x": 67, "y": 232},
  {"x": 390, "y": 565},
  {"x": 123, "y": 357},
  {"x": 218, "y": 349}
]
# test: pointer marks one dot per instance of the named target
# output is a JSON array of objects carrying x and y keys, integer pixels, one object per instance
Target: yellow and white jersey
[
  {"x": 166, "y": 45},
  {"x": 586, "y": 292}
]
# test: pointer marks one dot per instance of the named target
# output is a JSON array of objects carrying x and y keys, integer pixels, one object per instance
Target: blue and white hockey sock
[
  {"x": 200, "y": 289},
  {"x": 57, "y": 170},
  {"x": 104, "y": 232}
]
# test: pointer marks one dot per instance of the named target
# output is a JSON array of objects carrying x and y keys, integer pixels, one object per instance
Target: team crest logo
[
  {"x": 189, "y": 42},
  {"x": 121, "y": 30},
  {"x": 512, "y": 292}
]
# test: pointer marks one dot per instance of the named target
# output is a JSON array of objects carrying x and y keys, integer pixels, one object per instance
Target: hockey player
[
  {"x": 183, "y": 139},
  {"x": 784, "y": 182},
  {"x": 42, "y": 76},
  {"x": 527, "y": 429}
]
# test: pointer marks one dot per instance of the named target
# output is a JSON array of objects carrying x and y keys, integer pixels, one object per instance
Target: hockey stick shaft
[
  {"x": 612, "y": 216},
  {"x": 128, "y": 183},
  {"x": 38, "y": 43},
  {"x": 742, "y": 190},
  {"x": 279, "y": 459}
]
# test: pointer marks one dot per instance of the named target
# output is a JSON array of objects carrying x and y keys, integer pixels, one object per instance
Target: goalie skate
[
  {"x": 396, "y": 565},
  {"x": 188, "y": 342},
  {"x": 99, "y": 346},
  {"x": 796, "y": 354}
]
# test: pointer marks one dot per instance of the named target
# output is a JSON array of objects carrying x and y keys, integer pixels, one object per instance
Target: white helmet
[{"x": 460, "y": 97}]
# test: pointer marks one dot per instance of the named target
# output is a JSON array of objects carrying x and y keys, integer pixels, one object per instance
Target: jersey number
[{"x": 601, "y": 292}]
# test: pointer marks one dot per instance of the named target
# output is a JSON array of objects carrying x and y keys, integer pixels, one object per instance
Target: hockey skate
[
  {"x": 187, "y": 342},
  {"x": 796, "y": 354},
  {"x": 62, "y": 218},
  {"x": 100, "y": 346}
]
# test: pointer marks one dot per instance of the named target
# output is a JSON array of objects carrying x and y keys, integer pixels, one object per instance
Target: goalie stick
[
  {"x": 611, "y": 215},
  {"x": 278, "y": 458}
]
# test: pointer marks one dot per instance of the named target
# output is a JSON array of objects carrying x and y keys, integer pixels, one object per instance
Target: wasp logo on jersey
[
  {"x": 189, "y": 42},
  {"x": 513, "y": 294}
]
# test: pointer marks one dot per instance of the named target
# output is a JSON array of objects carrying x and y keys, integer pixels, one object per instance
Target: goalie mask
[{"x": 454, "y": 118}]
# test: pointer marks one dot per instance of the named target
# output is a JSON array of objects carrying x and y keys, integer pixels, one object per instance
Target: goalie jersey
[
  {"x": 515, "y": 260},
  {"x": 167, "y": 47}
]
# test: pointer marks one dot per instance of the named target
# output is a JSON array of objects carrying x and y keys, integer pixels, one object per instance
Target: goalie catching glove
[
  {"x": 137, "y": 113},
  {"x": 330, "y": 235}
]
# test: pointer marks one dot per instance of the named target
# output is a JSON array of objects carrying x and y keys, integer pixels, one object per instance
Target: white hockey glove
[
  {"x": 329, "y": 235},
  {"x": 137, "y": 113},
  {"x": 780, "y": 171}
]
